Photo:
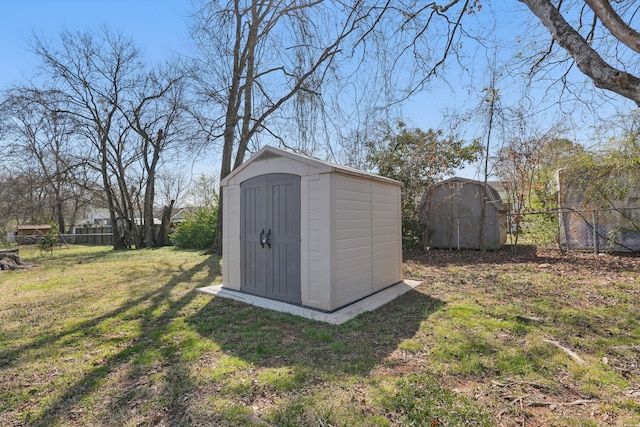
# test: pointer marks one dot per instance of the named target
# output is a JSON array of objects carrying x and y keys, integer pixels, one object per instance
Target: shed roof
[
  {"x": 492, "y": 193},
  {"x": 38, "y": 227},
  {"x": 268, "y": 151}
]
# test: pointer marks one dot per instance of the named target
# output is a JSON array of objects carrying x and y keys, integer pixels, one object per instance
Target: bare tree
[
  {"x": 251, "y": 60},
  {"x": 492, "y": 99},
  {"x": 266, "y": 63},
  {"x": 519, "y": 165},
  {"x": 202, "y": 191},
  {"x": 4, "y": 129},
  {"x": 44, "y": 139},
  {"x": 156, "y": 116},
  {"x": 599, "y": 39},
  {"x": 130, "y": 116},
  {"x": 92, "y": 76},
  {"x": 171, "y": 184},
  {"x": 22, "y": 198}
]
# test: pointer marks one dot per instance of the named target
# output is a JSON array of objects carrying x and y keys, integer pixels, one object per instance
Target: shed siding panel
[
  {"x": 319, "y": 272},
  {"x": 353, "y": 238},
  {"x": 231, "y": 237},
  {"x": 345, "y": 243},
  {"x": 352, "y": 288},
  {"x": 315, "y": 264},
  {"x": 306, "y": 245},
  {"x": 387, "y": 239},
  {"x": 355, "y": 233}
]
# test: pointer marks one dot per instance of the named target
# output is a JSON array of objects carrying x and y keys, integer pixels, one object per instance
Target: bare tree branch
[
  {"x": 614, "y": 23},
  {"x": 588, "y": 60}
]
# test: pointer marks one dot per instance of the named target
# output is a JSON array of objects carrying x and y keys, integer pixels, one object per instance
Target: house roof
[
  {"x": 323, "y": 166},
  {"x": 179, "y": 213}
]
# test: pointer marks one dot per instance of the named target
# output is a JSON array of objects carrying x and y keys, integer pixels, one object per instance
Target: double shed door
[{"x": 270, "y": 237}]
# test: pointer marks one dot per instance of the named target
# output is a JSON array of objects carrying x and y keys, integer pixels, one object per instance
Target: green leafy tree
[
  {"x": 542, "y": 199},
  {"x": 555, "y": 154},
  {"x": 418, "y": 159}
]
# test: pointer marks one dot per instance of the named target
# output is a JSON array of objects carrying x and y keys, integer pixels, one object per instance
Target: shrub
[
  {"x": 542, "y": 228},
  {"x": 49, "y": 240},
  {"x": 412, "y": 234},
  {"x": 198, "y": 230}
]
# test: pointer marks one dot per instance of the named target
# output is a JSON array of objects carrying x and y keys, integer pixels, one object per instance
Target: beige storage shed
[{"x": 308, "y": 232}]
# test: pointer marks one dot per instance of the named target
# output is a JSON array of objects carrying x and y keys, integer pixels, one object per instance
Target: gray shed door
[{"x": 270, "y": 237}]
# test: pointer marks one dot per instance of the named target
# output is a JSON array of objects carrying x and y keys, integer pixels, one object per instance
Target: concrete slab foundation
[{"x": 337, "y": 317}]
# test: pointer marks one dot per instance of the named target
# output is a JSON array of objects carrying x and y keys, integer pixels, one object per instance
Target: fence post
[{"x": 594, "y": 217}]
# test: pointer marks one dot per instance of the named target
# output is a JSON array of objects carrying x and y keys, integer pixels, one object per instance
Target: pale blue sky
[{"x": 158, "y": 27}]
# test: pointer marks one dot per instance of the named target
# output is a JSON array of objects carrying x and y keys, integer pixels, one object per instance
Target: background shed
[
  {"x": 304, "y": 231},
  {"x": 29, "y": 234},
  {"x": 452, "y": 212},
  {"x": 599, "y": 209}
]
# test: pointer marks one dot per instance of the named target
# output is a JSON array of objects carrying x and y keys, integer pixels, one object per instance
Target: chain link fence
[{"x": 600, "y": 230}]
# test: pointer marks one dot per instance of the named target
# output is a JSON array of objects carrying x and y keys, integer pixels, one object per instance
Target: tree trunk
[
  {"x": 10, "y": 260},
  {"x": 163, "y": 232},
  {"x": 106, "y": 185},
  {"x": 149, "y": 228},
  {"x": 60, "y": 213}
]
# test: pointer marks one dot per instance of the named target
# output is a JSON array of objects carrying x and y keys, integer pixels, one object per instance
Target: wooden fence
[{"x": 90, "y": 236}]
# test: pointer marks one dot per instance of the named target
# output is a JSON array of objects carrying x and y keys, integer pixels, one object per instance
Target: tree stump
[{"x": 10, "y": 260}]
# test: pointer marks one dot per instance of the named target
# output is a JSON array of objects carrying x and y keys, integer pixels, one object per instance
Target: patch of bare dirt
[
  {"x": 580, "y": 280},
  {"x": 552, "y": 259}
]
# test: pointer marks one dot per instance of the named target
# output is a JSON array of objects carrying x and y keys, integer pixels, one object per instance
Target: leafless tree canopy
[
  {"x": 127, "y": 119},
  {"x": 267, "y": 65}
]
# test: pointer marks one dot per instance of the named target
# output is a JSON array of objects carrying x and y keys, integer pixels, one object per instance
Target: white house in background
[
  {"x": 308, "y": 232},
  {"x": 96, "y": 216}
]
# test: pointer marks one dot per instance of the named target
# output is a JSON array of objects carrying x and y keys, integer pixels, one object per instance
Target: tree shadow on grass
[
  {"x": 8, "y": 356},
  {"x": 272, "y": 339},
  {"x": 148, "y": 352},
  {"x": 294, "y": 365},
  {"x": 61, "y": 256}
]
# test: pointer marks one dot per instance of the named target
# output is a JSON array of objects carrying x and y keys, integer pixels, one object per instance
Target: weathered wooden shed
[
  {"x": 452, "y": 213},
  {"x": 308, "y": 232},
  {"x": 31, "y": 233}
]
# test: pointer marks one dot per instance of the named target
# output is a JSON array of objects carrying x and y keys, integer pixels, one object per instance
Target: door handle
[
  {"x": 262, "y": 239},
  {"x": 268, "y": 240}
]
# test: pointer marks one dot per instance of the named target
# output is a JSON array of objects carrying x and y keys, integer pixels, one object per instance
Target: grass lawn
[{"x": 90, "y": 336}]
